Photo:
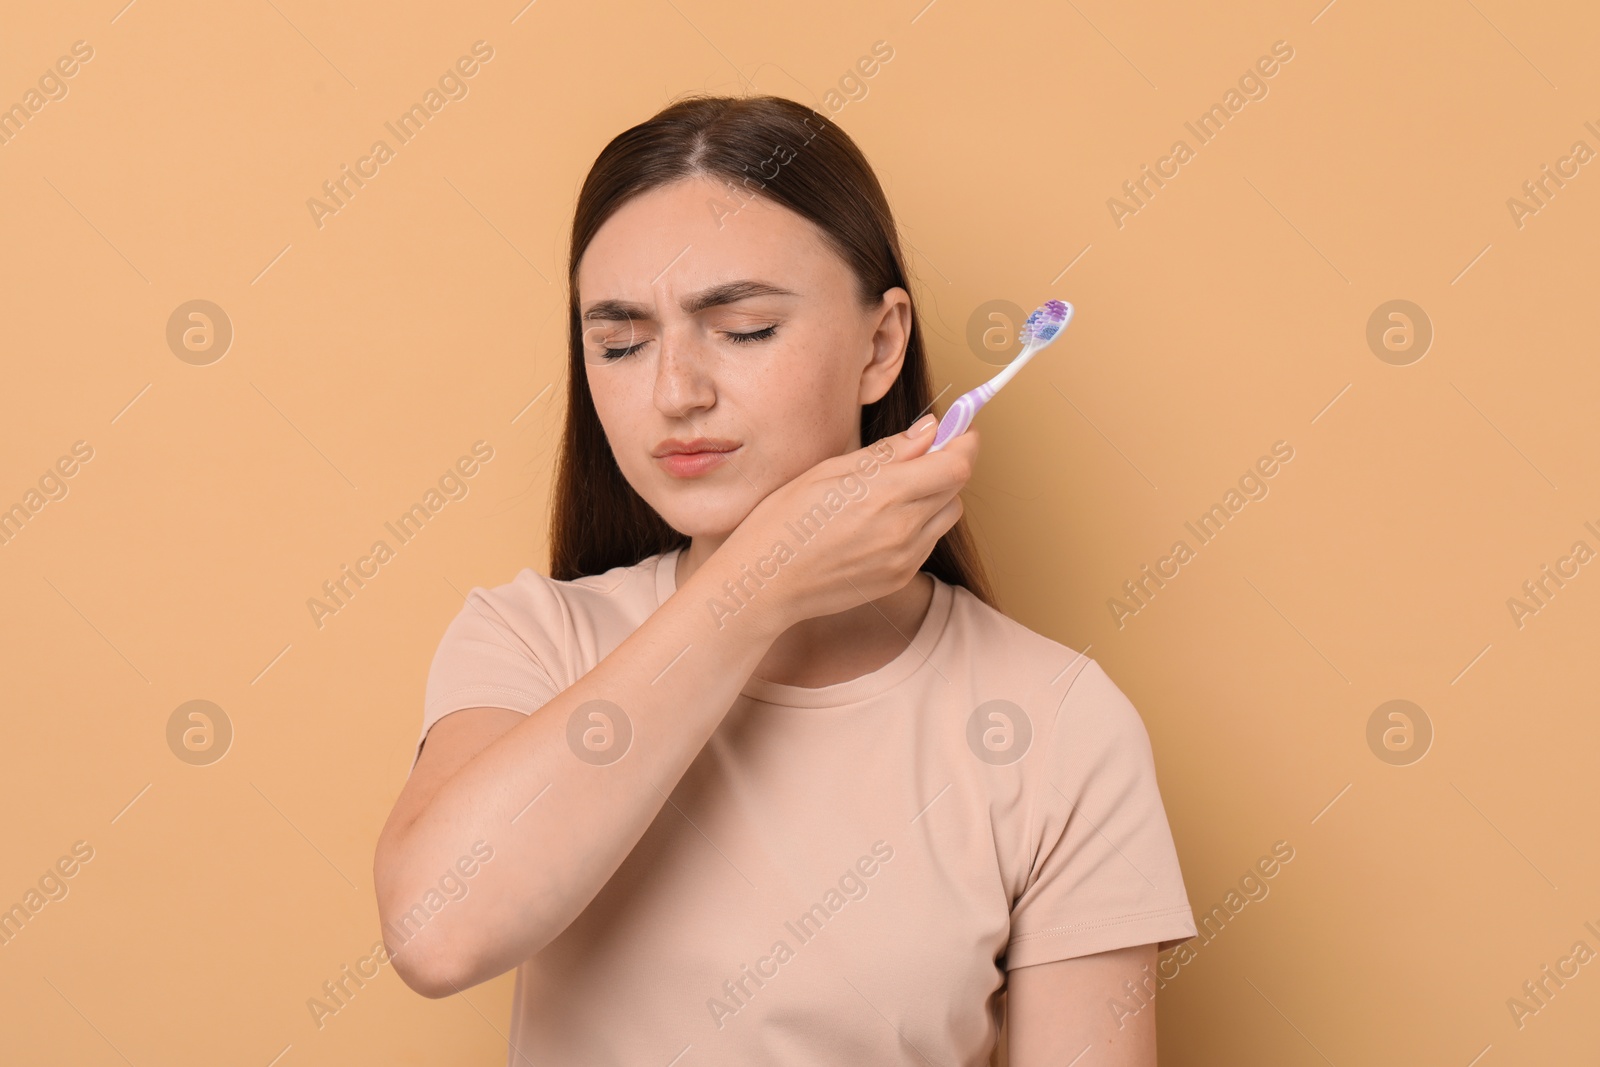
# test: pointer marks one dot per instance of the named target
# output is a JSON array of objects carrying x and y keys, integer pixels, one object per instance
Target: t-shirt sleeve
[
  {"x": 1104, "y": 871},
  {"x": 494, "y": 655}
]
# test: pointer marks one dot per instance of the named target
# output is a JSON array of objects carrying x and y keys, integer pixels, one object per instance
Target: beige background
[{"x": 1229, "y": 313}]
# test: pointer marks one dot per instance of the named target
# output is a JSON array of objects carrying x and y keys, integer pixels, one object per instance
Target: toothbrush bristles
[{"x": 1044, "y": 323}]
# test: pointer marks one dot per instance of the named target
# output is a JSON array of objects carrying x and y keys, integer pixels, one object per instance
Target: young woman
[{"x": 759, "y": 774}]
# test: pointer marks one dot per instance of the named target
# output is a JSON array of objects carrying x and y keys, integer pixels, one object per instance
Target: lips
[
  {"x": 689, "y": 459},
  {"x": 672, "y": 446}
]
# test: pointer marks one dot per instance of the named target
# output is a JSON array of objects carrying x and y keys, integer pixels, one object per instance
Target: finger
[
  {"x": 915, "y": 440},
  {"x": 940, "y": 522},
  {"x": 889, "y": 459}
]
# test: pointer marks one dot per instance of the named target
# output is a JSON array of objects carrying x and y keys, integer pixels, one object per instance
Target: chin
[
  {"x": 696, "y": 507},
  {"x": 712, "y": 520},
  {"x": 700, "y": 525}
]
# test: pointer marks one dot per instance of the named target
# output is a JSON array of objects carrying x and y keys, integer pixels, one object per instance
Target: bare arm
[
  {"x": 549, "y": 864},
  {"x": 1056, "y": 1010},
  {"x": 674, "y": 678}
]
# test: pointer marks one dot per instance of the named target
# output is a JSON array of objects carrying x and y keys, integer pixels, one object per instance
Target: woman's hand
[{"x": 858, "y": 526}]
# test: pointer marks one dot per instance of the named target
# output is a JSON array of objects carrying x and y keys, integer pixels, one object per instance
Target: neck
[{"x": 833, "y": 648}]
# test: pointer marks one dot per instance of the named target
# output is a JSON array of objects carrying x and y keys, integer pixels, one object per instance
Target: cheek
[
  {"x": 611, "y": 390},
  {"x": 797, "y": 397},
  {"x": 838, "y": 379},
  {"x": 806, "y": 419},
  {"x": 827, "y": 365},
  {"x": 611, "y": 387},
  {"x": 816, "y": 399}
]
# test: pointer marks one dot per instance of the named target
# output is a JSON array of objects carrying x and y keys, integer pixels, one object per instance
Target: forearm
[{"x": 561, "y": 825}]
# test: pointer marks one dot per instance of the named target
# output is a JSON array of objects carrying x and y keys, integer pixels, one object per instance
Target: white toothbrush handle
[{"x": 965, "y": 409}]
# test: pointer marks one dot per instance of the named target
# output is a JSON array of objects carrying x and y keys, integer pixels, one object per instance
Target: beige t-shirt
[{"x": 844, "y": 874}]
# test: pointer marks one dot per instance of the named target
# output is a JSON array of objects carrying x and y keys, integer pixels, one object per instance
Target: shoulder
[
  {"x": 536, "y": 632},
  {"x": 565, "y": 626},
  {"x": 1072, "y": 701},
  {"x": 1003, "y": 648},
  {"x": 517, "y": 644},
  {"x": 534, "y": 596}
]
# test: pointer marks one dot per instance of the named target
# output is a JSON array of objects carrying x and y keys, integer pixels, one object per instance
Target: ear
[{"x": 891, "y": 332}]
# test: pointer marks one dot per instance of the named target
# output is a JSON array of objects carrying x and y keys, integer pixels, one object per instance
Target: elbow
[
  {"x": 437, "y": 966},
  {"x": 432, "y": 958},
  {"x": 437, "y": 954},
  {"x": 426, "y": 962},
  {"x": 430, "y": 977},
  {"x": 414, "y": 947},
  {"x": 424, "y": 956}
]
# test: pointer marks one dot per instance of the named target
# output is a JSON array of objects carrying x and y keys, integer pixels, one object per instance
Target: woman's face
[{"x": 735, "y": 324}]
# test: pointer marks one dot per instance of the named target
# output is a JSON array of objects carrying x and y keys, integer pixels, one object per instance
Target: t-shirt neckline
[{"x": 910, "y": 660}]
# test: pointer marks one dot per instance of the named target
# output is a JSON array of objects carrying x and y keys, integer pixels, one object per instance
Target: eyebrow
[{"x": 716, "y": 296}]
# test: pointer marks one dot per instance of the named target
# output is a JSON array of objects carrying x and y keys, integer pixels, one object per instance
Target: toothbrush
[{"x": 1041, "y": 327}]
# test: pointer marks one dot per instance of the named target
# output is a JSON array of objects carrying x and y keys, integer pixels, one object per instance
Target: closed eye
[
  {"x": 757, "y": 335},
  {"x": 618, "y": 353},
  {"x": 737, "y": 338}
]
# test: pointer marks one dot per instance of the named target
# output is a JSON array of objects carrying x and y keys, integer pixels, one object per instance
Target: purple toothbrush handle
[{"x": 961, "y": 414}]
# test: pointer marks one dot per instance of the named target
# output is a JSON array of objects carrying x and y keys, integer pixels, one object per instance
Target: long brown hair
[{"x": 598, "y": 520}]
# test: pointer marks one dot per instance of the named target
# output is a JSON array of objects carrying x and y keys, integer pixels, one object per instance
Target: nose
[{"x": 684, "y": 383}]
